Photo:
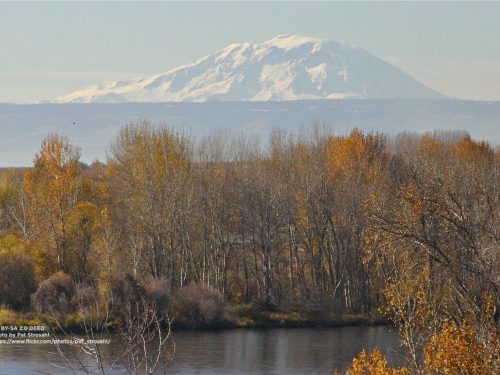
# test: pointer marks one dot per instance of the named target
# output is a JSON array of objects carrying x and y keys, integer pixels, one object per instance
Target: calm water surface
[{"x": 241, "y": 352}]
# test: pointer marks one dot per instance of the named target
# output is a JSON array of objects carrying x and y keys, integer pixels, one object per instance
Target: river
[{"x": 241, "y": 352}]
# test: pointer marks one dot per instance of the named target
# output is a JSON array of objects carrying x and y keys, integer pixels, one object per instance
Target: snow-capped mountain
[{"x": 289, "y": 67}]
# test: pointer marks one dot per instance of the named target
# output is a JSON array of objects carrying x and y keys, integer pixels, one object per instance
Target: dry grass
[
  {"x": 7, "y": 316},
  {"x": 11, "y": 318}
]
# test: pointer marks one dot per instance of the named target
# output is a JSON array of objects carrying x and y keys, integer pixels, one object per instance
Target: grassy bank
[
  {"x": 252, "y": 317},
  {"x": 241, "y": 316},
  {"x": 12, "y": 318}
]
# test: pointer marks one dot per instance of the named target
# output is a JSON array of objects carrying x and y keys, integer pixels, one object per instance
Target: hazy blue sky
[{"x": 50, "y": 49}]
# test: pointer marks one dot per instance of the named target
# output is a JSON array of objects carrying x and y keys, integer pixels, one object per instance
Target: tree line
[{"x": 316, "y": 223}]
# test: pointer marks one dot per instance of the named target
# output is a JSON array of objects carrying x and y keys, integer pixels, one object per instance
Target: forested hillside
[{"x": 318, "y": 225}]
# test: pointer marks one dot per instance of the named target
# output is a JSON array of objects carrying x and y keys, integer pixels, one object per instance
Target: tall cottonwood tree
[
  {"x": 52, "y": 191},
  {"x": 151, "y": 199}
]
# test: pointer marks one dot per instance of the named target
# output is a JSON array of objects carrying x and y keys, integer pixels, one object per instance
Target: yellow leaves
[
  {"x": 302, "y": 153},
  {"x": 470, "y": 150},
  {"x": 149, "y": 152},
  {"x": 355, "y": 152},
  {"x": 57, "y": 159},
  {"x": 55, "y": 171},
  {"x": 8, "y": 178},
  {"x": 455, "y": 350},
  {"x": 407, "y": 300},
  {"x": 411, "y": 204},
  {"x": 10, "y": 189},
  {"x": 465, "y": 149},
  {"x": 147, "y": 168},
  {"x": 53, "y": 190},
  {"x": 11, "y": 244},
  {"x": 342, "y": 152},
  {"x": 430, "y": 146},
  {"x": 106, "y": 214},
  {"x": 83, "y": 217},
  {"x": 417, "y": 200},
  {"x": 373, "y": 364},
  {"x": 488, "y": 309}
]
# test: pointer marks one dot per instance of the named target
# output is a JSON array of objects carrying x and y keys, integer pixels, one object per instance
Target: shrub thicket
[
  {"x": 17, "y": 280},
  {"x": 54, "y": 295},
  {"x": 197, "y": 305}
]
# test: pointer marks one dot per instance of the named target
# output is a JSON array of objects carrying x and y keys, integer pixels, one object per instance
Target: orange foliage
[
  {"x": 430, "y": 146},
  {"x": 455, "y": 350},
  {"x": 52, "y": 191},
  {"x": 470, "y": 150},
  {"x": 373, "y": 364},
  {"x": 149, "y": 151},
  {"x": 355, "y": 152}
]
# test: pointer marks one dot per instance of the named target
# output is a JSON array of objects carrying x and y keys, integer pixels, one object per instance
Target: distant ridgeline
[{"x": 93, "y": 126}]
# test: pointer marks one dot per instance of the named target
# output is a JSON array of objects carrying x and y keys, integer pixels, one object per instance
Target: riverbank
[
  {"x": 241, "y": 316},
  {"x": 12, "y": 318},
  {"x": 252, "y": 317}
]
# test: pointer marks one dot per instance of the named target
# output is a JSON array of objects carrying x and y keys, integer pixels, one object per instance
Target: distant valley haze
[{"x": 97, "y": 124}]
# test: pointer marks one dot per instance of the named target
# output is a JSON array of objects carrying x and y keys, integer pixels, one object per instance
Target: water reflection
[
  {"x": 279, "y": 351},
  {"x": 241, "y": 352}
]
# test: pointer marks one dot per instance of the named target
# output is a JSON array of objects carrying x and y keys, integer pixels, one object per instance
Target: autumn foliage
[
  {"x": 457, "y": 350},
  {"x": 373, "y": 364},
  {"x": 317, "y": 224}
]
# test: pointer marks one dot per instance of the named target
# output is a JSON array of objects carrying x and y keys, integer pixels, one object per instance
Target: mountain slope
[{"x": 289, "y": 67}]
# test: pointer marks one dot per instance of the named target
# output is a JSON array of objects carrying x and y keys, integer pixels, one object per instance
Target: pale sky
[{"x": 51, "y": 49}]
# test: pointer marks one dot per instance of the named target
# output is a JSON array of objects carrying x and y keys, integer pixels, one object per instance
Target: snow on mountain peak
[
  {"x": 286, "y": 67},
  {"x": 291, "y": 41}
]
